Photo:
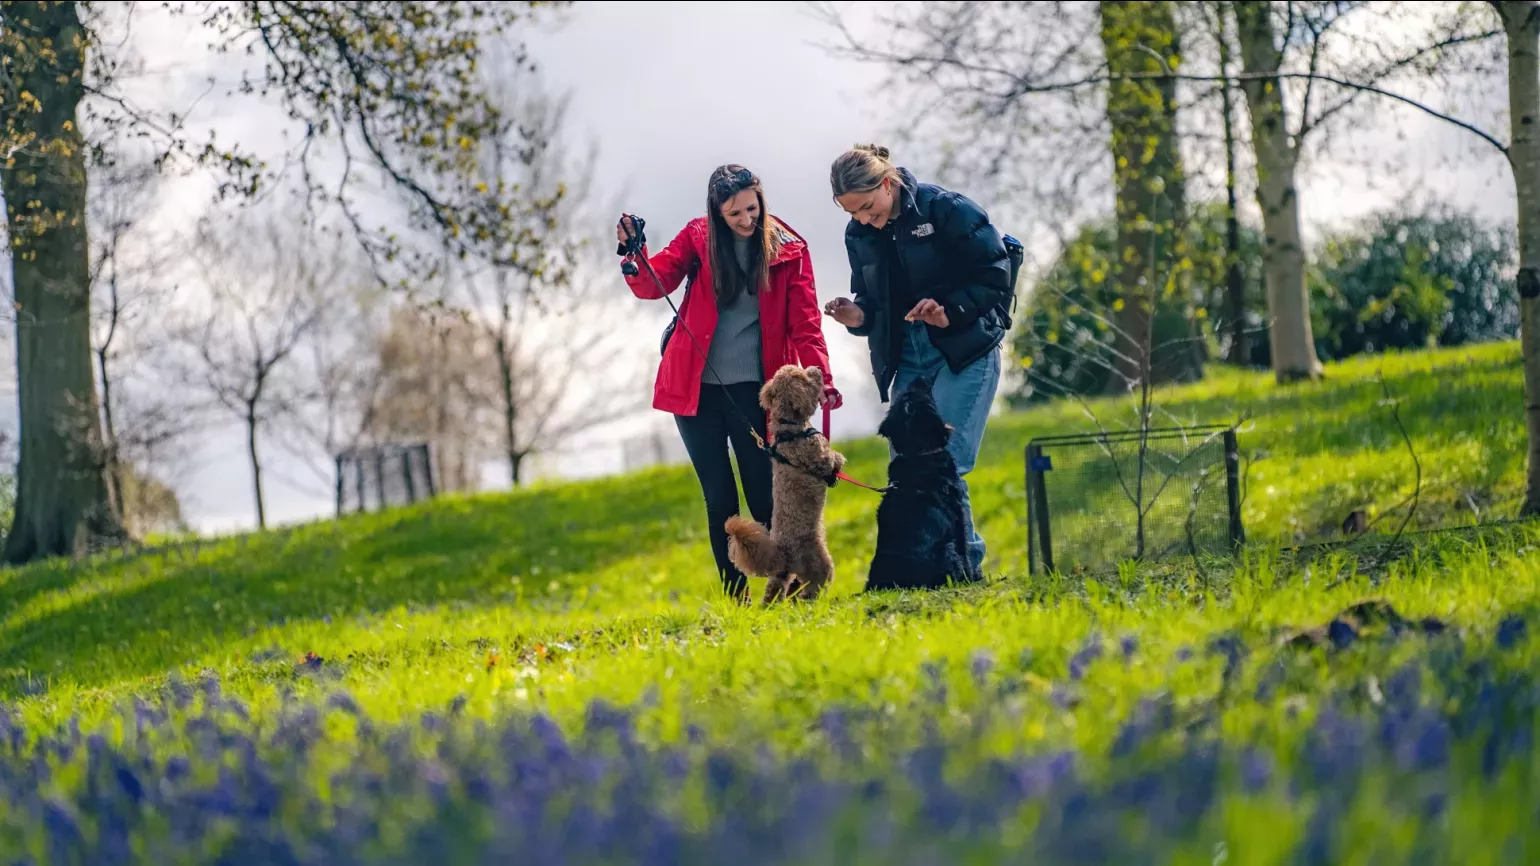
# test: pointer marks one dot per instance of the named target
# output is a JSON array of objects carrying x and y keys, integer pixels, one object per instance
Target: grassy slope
[
  {"x": 552, "y": 597},
  {"x": 407, "y": 605}
]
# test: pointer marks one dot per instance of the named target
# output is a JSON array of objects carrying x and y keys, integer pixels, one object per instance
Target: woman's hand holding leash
[{"x": 625, "y": 230}]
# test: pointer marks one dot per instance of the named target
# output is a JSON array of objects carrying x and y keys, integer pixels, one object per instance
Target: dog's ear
[
  {"x": 816, "y": 376},
  {"x": 770, "y": 393}
]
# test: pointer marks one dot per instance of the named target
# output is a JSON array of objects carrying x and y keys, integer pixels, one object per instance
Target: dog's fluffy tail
[{"x": 751, "y": 548}]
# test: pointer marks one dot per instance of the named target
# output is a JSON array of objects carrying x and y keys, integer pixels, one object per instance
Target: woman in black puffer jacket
[{"x": 932, "y": 284}]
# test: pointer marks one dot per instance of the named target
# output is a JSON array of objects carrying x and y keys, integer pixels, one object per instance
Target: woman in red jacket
[{"x": 752, "y": 307}]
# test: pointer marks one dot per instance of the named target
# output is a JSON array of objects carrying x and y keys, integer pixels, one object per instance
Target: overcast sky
[{"x": 671, "y": 90}]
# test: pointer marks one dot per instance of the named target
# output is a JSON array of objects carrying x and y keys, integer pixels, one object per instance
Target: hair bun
[{"x": 876, "y": 150}]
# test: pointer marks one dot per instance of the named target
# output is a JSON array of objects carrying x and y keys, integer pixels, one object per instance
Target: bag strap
[{"x": 689, "y": 280}]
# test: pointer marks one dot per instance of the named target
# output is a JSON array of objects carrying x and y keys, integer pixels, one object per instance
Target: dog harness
[{"x": 830, "y": 479}]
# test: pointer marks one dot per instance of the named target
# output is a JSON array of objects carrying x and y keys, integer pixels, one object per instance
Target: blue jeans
[{"x": 964, "y": 400}]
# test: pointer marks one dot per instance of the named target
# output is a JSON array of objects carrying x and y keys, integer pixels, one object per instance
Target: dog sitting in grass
[
  {"x": 794, "y": 554},
  {"x": 922, "y": 539}
]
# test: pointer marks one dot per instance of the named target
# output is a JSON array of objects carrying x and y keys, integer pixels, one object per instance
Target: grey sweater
[{"x": 735, "y": 344}]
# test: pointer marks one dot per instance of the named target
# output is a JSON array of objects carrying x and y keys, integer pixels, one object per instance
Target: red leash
[{"x": 840, "y": 475}]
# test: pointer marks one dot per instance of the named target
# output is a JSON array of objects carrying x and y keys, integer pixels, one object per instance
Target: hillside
[{"x": 479, "y": 611}]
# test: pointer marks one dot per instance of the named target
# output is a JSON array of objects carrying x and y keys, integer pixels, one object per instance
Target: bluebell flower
[
  {"x": 1512, "y": 630},
  {"x": 1090, "y": 652},
  {"x": 130, "y": 784},
  {"x": 64, "y": 836},
  {"x": 1432, "y": 745},
  {"x": 1341, "y": 633},
  {"x": 1151, "y": 717},
  {"x": 981, "y": 664},
  {"x": 344, "y": 702},
  {"x": 1272, "y": 676},
  {"x": 1256, "y": 769},
  {"x": 1232, "y": 648},
  {"x": 934, "y": 676}
]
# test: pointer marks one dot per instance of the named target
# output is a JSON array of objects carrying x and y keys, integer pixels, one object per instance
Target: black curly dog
[{"x": 921, "y": 537}]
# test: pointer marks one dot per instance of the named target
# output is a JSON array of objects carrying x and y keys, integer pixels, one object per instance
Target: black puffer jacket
[{"x": 953, "y": 254}]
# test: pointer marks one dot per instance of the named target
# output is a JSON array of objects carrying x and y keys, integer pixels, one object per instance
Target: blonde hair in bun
[{"x": 863, "y": 168}]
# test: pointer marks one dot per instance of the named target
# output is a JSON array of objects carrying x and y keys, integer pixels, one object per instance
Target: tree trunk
[
  {"x": 1283, "y": 252},
  {"x": 510, "y": 402},
  {"x": 1239, "y": 350},
  {"x": 1148, "y": 176},
  {"x": 112, "y": 452},
  {"x": 1521, "y": 20},
  {"x": 110, "y": 446},
  {"x": 62, "y": 506},
  {"x": 256, "y": 465}
]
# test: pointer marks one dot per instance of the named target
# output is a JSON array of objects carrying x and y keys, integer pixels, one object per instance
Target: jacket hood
[{"x": 792, "y": 244}]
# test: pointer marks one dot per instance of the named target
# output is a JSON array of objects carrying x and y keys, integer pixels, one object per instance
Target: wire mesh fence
[
  {"x": 1094, "y": 500},
  {"x": 385, "y": 476}
]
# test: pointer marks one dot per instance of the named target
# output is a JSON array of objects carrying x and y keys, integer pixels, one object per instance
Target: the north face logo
[{"x": 925, "y": 230}]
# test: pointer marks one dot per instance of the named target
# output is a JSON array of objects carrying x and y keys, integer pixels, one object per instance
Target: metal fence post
[
  {"x": 1026, "y": 462},
  {"x": 339, "y": 485},
  {"x": 406, "y": 475},
  {"x": 1233, "y": 487},
  {"x": 1036, "y": 466},
  {"x": 427, "y": 468}
]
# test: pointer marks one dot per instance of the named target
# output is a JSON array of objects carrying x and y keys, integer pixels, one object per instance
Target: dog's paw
[{"x": 839, "y": 460}]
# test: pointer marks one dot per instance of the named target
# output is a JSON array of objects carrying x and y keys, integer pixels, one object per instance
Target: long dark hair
[{"x": 727, "y": 279}]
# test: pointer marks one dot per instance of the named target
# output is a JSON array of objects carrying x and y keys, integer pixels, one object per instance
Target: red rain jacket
[{"x": 790, "y": 321}]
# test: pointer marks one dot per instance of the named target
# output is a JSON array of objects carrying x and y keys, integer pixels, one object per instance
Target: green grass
[
  {"x": 551, "y": 597},
  {"x": 408, "y": 593}
]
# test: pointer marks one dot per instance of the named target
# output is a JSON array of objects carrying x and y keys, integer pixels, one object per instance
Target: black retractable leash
[{"x": 632, "y": 250}]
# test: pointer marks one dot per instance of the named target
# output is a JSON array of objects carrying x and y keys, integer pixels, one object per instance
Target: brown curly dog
[{"x": 794, "y": 554}]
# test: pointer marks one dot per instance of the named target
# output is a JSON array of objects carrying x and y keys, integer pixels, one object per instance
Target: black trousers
[{"x": 706, "y": 436}]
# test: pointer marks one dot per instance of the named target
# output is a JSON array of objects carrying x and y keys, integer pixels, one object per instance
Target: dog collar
[{"x": 804, "y": 433}]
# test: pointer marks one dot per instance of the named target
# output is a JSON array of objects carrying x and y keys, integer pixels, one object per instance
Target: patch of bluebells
[{"x": 193, "y": 779}]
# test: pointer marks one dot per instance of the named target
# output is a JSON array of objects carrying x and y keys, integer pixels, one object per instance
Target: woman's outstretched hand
[
  {"x": 929, "y": 312},
  {"x": 845, "y": 311},
  {"x": 832, "y": 398}
]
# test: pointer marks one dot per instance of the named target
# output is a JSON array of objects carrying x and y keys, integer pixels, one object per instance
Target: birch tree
[{"x": 1015, "y": 86}]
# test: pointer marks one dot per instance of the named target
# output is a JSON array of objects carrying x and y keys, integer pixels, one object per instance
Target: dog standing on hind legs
[
  {"x": 794, "y": 554},
  {"x": 922, "y": 536}
]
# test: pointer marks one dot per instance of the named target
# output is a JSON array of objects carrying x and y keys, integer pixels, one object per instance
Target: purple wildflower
[
  {"x": 1341, "y": 633},
  {"x": 981, "y": 664},
  {"x": 1256, "y": 768},
  {"x": 1083, "y": 659},
  {"x": 1512, "y": 630}
]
